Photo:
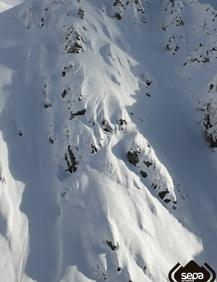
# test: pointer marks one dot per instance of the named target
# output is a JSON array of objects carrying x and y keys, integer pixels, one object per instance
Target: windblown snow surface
[{"x": 108, "y": 118}]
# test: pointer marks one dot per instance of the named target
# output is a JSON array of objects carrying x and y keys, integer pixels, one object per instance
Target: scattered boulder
[
  {"x": 51, "y": 140},
  {"x": 148, "y": 82},
  {"x": 64, "y": 93},
  {"x": 211, "y": 86},
  {"x": 143, "y": 173},
  {"x": 47, "y": 105},
  {"x": 20, "y": 133}
]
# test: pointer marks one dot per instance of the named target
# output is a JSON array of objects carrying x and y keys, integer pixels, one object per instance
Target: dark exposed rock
[
  {"x": 51, "y": 140},
  {"x": 106, "y": 126},
  {"x": 211, "y": 140},
  {"x": 167, "y": 201},
  {"x": 172, "y": 44},
  {"x": 73, "y": 41},
  {"x": 78, "y": 113},
  {"x": 81, "y": 13},
  {"x": 118, "y": 16},
  {"x": 133, "y": 157},
  {"x": 207, "y": 122},
  {"x": 210, "y": 137},
  {"x": 147, "y": 163},
  {"x": 112, "y": 246},
  {"x": 205, "y": 60},
  {"x": 20, "y": 133},
  {"x": 148, "y": 82},
  {"x": 162, "y": 194},
  {"x": 68, "y": 67},
  {"x": 121, "y": 6},
  {"x": 64, "y": 93},
  {"x": 211, "y": 86},
  {"x": 2, "y": 180},
  {"x": 42, "y": 22},
  {"x": 122, "y": 122},
  {"x": 71, "y": 161},
  {"x": 117, "y": 2},
  {"x": 143, "y": 173},
  {"x": 75, "y": 48},
  {"x": 94, "y": 149},
  {"x": 47, "y": 105}
]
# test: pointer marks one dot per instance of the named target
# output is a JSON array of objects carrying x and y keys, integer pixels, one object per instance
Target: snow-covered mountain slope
[
  {"x": 107, "y": 117},
  {"x": 8, "y": 4}
]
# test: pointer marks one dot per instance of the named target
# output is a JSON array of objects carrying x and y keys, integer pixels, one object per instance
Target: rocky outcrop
[
  {"x": 120, "y": 7},
  {"x": 73, "y": 41},
  {"x": 133, "y": 157},
  {"x": 149, "y": 169},
  {"x": 210, "y": 115},
  {"x": 72, "y": 163},
  {"x": 78, "y": 113}
]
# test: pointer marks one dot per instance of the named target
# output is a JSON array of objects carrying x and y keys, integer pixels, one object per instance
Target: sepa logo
[{"x": 192, "y": 272}]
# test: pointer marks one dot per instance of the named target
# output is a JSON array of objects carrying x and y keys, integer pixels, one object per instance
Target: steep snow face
[
  {"x": 106, "y": 173},
  {"x": 8, "y": 4},
  {"x": 13, "y": 224}
]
